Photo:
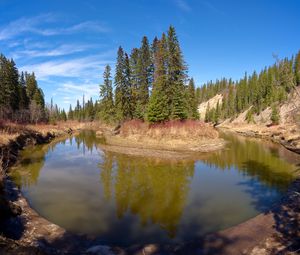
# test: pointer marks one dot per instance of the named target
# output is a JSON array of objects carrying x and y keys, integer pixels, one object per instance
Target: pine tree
[
  {"x": 106, "y": 95},
  {"x": 217, "y": 113},
  {"x": 297, "y": 68},
  {"x": 192, "y": 102},
  {"x": 144, "y": 69},
  {"x": 176, "y": 77},
  {"x": 158, "y": 108},
  {"x": 128, "y": 106},
  {"x": 9, "y": 87},
  {"x": 70, "y": 113},
  {"x": 23, "y": 98},
  {"x": 275, "y": 115},
  {"x": 207, "y": 113},
  {"x": 31, "y": 85},
  {"x": 135, "y": 83},
  {"x": 123, "y": 91}
]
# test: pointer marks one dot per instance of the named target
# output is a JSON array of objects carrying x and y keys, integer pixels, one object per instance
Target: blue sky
[{"x": 68, "y": 43}]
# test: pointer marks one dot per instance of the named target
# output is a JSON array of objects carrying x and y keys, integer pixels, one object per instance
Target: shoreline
[
  {"x": 173, "y": 150},
  {"x": 288, "y": 137},
  {"x": 255, "y": 236}
]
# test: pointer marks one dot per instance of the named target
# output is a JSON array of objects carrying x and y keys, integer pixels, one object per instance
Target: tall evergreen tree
[
  {"x": 297, "y": 68},
  {"x": 144, "y": 69},
  {"x": 106, "y": 95},
  {"x": 176, "y": 77},
  {"x": 123, "y": 94},
  {"x": 158, "y": 108},
  {"x": 192, "y": 102}
]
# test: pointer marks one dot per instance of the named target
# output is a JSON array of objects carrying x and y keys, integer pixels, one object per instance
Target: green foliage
[
  {"x": 18, "y": 92},
  {"x": 106, "y": 111},
  {"x": 275, "y": 115},
  {"x": 270, "y": 86},
  {"x": 297, "y": 68},
  {"x": 249, "y": 116},
  {"x": 191, "y": 100}
]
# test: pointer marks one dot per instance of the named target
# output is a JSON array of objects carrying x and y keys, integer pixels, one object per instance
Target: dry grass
[
  {"x": 10, "y": 130},
  {"x": 185, "y": 130}
]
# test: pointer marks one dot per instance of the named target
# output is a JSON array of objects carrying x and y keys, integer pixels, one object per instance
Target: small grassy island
[{"x": 183, "y": 137}]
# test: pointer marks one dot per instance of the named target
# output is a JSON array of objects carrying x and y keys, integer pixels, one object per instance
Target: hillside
[
  {"x": 211, "y": 103},
  {"x": 287, "y": 132}
]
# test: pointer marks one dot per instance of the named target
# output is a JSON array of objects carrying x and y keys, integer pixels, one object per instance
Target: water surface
[{"x": 126, "y": 200}]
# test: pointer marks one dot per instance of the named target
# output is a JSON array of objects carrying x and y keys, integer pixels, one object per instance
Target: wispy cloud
[
  {"x": 65, "y": 49},
  {"x": 71, "y": 91},
  {"x": 76, "y": 67},
  {"x": 34, "y": 25},
  {"x": 183, "y": 5}
]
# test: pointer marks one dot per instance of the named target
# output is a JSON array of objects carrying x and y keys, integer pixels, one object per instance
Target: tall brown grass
[{"x": 188, "y": 129}]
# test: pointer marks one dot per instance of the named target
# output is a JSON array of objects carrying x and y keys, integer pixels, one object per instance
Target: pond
[{"x": 125, "y": 200}]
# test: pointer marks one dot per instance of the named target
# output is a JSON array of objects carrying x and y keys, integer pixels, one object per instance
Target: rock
[
  {"x": 100, "y": 250},
  {"x": 150, "y": 249},
  {"x": 15, "y": 209}
]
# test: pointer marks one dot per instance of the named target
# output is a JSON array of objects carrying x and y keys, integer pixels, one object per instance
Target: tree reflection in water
[{"x": 155, "y": 190}]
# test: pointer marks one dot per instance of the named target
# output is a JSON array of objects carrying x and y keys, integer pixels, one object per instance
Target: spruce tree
[
  {"x": 70, "y": 113},
  {"x": 297, "y": 68},
  {"x": 176, "y": 77},
  {"x": 119, "y": 84},
  {"x": 135, "y": 83},
  {"x": 275, "y": 115},
  {"x": 158, "y": 107},
  {"x": 106, "y": 96},
  {"x": 23, "y": 98},
  {"x": 192, "y": 102},
  {"x": 144, "y": 70},
  {"x": 31, "y": 85}
]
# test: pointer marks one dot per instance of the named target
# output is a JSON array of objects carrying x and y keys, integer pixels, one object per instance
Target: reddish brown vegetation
[{"x": 188, "y": 129}]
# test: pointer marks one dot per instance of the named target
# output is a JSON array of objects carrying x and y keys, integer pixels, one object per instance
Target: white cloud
[
  {"x": 86, "y": 67},
  {"x": 71, "y": 91},
  {"x": 65, "y": 49},
  {"x": 33, "y": 25},
  {"x": 23, "y": 25},
  {"x": 183, "y": 5}
]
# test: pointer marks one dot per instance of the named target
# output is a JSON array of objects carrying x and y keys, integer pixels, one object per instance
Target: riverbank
[
  {"x": 22, "y": 230},
  {"x": 288, "y": 135}
]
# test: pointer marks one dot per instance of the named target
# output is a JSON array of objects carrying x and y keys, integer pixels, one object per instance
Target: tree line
[
  {"x": 150, "y": 83},
  {"x": 21, "y": 99},
  {"x": 268, "y": 88}
]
